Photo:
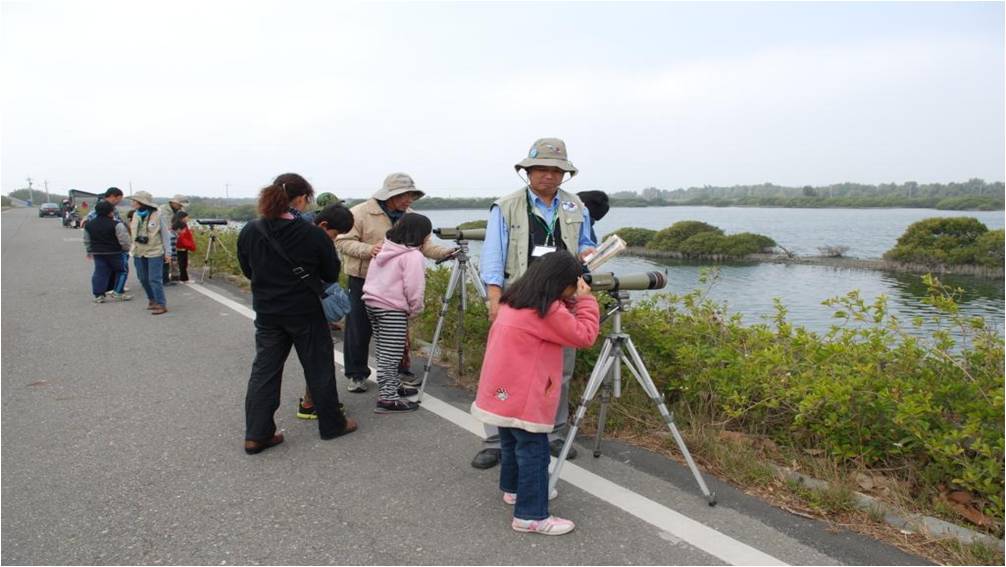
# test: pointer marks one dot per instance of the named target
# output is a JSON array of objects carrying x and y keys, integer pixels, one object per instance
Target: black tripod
[
  {"x": 607, "y": 375},
  {"x": 214, "y": 242},
  {"x": 462, "y": 272}
]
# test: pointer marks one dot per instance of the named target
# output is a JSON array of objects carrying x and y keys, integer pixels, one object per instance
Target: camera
[
  {"x": 211, "y": 222},
  {"x": 607, "y": 281},
  {"x": 460, "y": 234},
  {"x": 142, "y": 239}
]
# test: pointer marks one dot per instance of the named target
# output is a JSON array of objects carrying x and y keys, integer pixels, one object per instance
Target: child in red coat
[
  {"x": 546, "y": 309},
  {"x": 185, "y": 244}
]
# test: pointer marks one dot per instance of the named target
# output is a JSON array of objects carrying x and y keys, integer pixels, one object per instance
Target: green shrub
[
  {"x": 473, "y": 224},
  {"x": 635, "y": 236},
  {"x": 671, "y": 238},
  {"x": 744, "y": 243},
  {"x": 936, "y": 241},
  {"x": 5, "y": 201},
  {"x": 703, "y": 244},
  {"x": 989, "y": 248}
]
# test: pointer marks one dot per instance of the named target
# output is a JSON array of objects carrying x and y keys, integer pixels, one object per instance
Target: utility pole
[
  {"x": 130, "y": 187},
  {"x": 31, "y": 193},
  {"x": 47, "y": 191},
  {"x": 227, "y": 190}
]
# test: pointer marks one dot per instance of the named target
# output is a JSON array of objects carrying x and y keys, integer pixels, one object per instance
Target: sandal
[{"x": 253, "y": 447}]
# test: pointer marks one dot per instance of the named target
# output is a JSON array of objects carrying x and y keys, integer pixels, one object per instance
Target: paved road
[{"x": 122, "y": 444}]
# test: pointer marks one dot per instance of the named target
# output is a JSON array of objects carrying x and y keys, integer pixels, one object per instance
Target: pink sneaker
[
  {"x": 511, "y": 497},
  {"x": 549, "y": 526}
]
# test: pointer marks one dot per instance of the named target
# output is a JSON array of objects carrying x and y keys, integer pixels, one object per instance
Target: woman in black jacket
[{"x": 288, "y": 310}]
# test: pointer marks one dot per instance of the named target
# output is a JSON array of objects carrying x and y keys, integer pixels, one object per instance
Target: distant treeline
[{"x": 974, "y": 194}]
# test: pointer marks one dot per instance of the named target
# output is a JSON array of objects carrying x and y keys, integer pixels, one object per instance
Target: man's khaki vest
[
  {"x": 154, "y": 247},
  {"x": 513, "y": 208}
]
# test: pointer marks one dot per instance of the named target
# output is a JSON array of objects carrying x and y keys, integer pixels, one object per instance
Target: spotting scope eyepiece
[
  {"x": 607, "y": 281},
  {"x": 460, "y": 234}
]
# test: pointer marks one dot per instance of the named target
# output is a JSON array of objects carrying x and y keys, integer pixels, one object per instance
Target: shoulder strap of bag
[{"x": 298, "y": 271}]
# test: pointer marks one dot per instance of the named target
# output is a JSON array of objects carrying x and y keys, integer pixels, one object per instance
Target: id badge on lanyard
[{"x": 540, "y": 250}]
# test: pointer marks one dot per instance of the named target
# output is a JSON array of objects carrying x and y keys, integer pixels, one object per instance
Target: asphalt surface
[{"x": 122, "y": 444}]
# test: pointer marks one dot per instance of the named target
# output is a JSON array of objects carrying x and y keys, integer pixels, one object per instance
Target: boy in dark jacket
[{"x": 105, "y": 239}]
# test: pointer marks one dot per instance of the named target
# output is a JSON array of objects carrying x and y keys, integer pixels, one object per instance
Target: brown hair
[{"x": 274, "y": 200}]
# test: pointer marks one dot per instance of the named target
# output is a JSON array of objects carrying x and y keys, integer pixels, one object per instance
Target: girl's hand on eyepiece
[{"x": 582, "y": 287}]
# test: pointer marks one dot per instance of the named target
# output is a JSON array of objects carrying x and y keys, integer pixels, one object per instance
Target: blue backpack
[{"x": 335, "y": 302}]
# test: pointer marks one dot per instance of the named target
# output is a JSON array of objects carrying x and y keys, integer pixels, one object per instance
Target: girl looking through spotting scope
[{"x": 546, "y": 309}]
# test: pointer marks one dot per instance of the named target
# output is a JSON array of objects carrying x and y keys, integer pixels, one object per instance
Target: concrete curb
[{"x": 898, "y": 519}]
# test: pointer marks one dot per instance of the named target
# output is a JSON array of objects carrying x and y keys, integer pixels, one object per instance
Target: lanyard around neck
[{"x": 549, "y": 230}]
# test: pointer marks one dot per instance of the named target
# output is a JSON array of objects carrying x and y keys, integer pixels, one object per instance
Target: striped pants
[{"x": 390, "y": 329}]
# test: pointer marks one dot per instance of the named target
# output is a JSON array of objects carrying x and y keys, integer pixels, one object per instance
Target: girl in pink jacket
[
  {"x": 546, "y": 309},
  {"x": 393, "y": 293}
]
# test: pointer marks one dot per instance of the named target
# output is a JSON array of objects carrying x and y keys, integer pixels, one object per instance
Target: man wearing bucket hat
[
  {"x": 524, "y": 225},
  {"x": 174, "y": 204},
  {"x": 151, "y": 233},
  {"x": 371, "y": 221}
]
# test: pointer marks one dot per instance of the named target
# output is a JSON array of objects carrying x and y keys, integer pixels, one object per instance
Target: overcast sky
[{"x": 186, "y": 97}]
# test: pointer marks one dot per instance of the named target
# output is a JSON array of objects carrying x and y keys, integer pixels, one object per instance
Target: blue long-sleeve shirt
[{"x": 492, "y": 262}]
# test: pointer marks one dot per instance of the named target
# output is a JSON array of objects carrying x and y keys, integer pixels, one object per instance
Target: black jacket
[{"x": 275, "y": 289}]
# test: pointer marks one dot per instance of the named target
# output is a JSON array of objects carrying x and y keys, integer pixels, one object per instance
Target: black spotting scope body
[
  {"x": 607, "y": 281},
  {"x": 211, "y": 222}
]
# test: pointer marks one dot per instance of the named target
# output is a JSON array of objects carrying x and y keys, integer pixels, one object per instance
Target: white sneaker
[
  {"x": 551, "y": 525},
  {"x": 119, "y": 296},
  {"x": 511, "y": 497}
]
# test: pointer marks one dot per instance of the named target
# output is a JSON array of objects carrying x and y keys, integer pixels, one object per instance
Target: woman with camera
[
  {"x": 286, "y": 259},
  {"x": 151, "y": 232}
]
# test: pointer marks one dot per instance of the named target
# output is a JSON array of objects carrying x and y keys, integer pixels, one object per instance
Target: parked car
[{"x": 48, "y": 210}]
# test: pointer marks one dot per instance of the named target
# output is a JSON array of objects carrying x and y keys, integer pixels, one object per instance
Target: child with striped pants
[{"x": 393, "y": 293}]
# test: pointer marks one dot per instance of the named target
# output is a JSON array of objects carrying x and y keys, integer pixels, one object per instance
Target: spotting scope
[
  {"x": 607, "y": 281},
  {"x": 460, "y": 234},
  {"x": 212, "y": 222}
]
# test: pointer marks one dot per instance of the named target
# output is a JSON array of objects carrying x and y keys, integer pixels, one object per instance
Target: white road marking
[{"x": 694, "y": 533}]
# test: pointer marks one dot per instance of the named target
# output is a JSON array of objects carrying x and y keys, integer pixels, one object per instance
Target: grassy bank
[
  {"x": 868, "y": 407},
  {"x": 918, "y": 423}
]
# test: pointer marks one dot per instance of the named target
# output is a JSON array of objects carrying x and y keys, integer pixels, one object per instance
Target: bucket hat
[
  {"x": 144, "y": 198},
  {"x": 180, "y": 199},
  {"x": 547, "y": 152},
  {"x": 396, "y": 184}
]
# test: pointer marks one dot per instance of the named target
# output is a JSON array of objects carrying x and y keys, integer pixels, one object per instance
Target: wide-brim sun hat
[
  {"x": 143, "y": 198},
  {"x": 180, "y": 199},
  {"x": 547, "y": 152},
  {"x": 397, "y": 184}
]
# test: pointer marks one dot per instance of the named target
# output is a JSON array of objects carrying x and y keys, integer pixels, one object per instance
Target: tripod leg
[
  {"x": 206, "y": 261},
  {"x": 643, "y": 377},
  {"x": 602, "y": 414},
  {"x": 480, "y": 288},
  {"x": 462, "y": 263},
  {"x": 600, "y": 372},
  {"x": 452, "y": 282}
]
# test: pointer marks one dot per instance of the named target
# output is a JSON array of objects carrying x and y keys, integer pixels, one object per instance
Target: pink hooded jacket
[
  {"x": 396, "y": 279},
  {"x": 522, "y": 370}
]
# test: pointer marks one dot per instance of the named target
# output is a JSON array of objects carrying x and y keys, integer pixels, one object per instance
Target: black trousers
[
  {"x": 183, "y": 265},
  {"x": 274, "y": 335},
  {"x": 357, "y": 333}
]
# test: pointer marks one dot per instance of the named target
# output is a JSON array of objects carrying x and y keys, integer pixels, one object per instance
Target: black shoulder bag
[{"x": 298, "y": 271}]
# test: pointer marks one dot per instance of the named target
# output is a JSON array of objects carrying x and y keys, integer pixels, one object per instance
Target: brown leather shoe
[
  {"x": 151, "y": 304},
  {"x": 158, "y": 310},
  {"x": 253, "y": 447},
  {"x": 351, "y": 426}
]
